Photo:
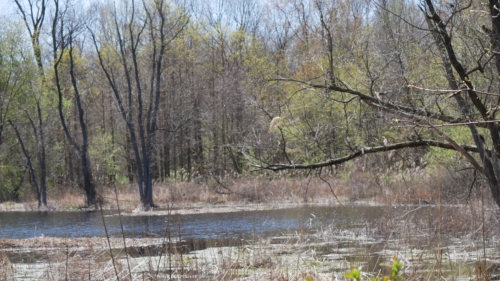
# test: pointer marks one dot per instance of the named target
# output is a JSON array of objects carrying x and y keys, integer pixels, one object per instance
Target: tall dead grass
[
  {"x": 325, "y": 254},
  {"x": 6, "y": 267},
  {"x": 364, "y": 180}
]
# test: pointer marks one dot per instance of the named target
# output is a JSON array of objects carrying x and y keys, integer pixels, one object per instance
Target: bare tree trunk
[
  {"x": 61, "y": 40},
  {"x": 34, "y": 24},
  {"x": 140, "y": 104},
  {"x": 30, "y": 166},
  {"x": 489, "y": 168},
  {"x": 40, "y": 148}
]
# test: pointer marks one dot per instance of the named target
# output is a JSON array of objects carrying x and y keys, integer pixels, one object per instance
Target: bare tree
[
  {"x": 138, "y": 85},
  {"x": 66, "y": 29},
  {"x": 33, "y": 16},
  {"x": 396, "y": 87},
  {"x": 19, "y": 90}
]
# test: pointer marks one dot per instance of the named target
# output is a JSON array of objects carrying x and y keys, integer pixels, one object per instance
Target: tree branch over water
[{"x": 363, "y": 151}]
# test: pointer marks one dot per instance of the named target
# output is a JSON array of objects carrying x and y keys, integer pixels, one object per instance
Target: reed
[
  {"x": 274, "y": 123},
  {"x": 349, "y": 183},
  {"x": 325, "y": 253},
  {"x": 461, "y": 224}
]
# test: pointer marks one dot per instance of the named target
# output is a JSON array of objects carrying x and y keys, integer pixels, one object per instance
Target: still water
[{"x": 241, "y": 224}]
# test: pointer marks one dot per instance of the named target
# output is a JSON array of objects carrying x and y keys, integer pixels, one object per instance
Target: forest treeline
[{"x": 145, "y": 91}]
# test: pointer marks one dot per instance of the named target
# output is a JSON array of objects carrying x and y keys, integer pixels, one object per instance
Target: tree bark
[
  {"x": 141, "y": 113},
  {"x": 61, "y": 40},
  {"x": 30, "y": 167}
]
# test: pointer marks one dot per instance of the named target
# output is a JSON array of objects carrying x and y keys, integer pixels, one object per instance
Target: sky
[{"x": 6, "y": 7}]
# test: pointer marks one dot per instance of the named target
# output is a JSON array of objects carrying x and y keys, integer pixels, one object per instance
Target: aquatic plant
[{"x": 394, "y": 268}]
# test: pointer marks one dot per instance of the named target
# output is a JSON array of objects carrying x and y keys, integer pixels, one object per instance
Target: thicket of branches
[{"x": 144, "y": 91}]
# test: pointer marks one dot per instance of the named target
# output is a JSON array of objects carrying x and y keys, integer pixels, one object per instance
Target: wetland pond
[
  {"x": 241, "y": 224},
  {"x": 330, "y": 238}
]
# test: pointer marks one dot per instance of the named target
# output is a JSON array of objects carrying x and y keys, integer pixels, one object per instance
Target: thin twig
[
  {"x": 107, "y": 238},
  {"x": 435, "y": 90},
  {"x": 167, "y": 234},
  {"x": 67, "y": 258},
  {"x": 123, "y": 231},
  {"x": 329, "y": 185},
  {"x": 443, "y": 125},
  {"x": 451, "y": 92},
  {"x": 50, "y": 266}
]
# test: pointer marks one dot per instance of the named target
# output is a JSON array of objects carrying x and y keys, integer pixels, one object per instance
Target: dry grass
[
  {"x": 244, "y": 190},
  {"x": 464, "y": 227},
  {"x": 346, "y": 185},
  {"x": 408, "y": 232},
  {"x": 66, "y": 259},
  {"x": 6, "y": 267},
  {"x": 323, "y": 255}
]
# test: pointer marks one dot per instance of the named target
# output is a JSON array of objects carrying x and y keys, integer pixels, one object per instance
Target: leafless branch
[{"x": 366, "y": 150}]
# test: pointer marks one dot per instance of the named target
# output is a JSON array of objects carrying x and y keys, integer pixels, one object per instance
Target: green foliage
[
  {"x": 105, "y": 153},
  {"x": 16, "y": 69},
  {"x": 11, "y": 180},
  {"x": 395, "y": 272},
  {"x": 395, "y": 269},
  {"x": 73, "y": 207},
  {"x": 355, "y": 274},
  {"x": 222, "y": 84},
  {"x": 438, "y": 156}
]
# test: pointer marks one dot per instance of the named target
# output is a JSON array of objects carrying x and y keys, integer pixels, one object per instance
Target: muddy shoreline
[
  {"x": 44, "y": 242},
  {"x": 325, "y": 254},
  {"x": 185, "y": 209}
]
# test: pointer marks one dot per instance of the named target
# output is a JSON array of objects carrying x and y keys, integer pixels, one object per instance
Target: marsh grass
[
  {"x": 363, "y": 181},
  {"x": 6, "y": 267},
  {"x": 443, "y": 228},
  {"x": 467, "y": 249}
]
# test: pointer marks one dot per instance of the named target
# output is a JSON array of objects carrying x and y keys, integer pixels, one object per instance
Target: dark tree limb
[
  {"x": 366, "y": 150},
  {"x": 63, "y": 35},
  {"x": 490, "y": 162},
  {"x": 29, "y": 163},
  {"x": 34, "y": 23},
  {"x": 383, "y": 105}
]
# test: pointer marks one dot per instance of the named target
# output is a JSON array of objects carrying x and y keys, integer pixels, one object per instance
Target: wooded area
[{"x": 145, "y": 91}]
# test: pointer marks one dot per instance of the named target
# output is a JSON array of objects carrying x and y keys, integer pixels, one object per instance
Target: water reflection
[{"x": 206, "y": 225}]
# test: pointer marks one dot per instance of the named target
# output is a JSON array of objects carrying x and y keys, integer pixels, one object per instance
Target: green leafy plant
[
  {"x": 395, "y": 269},
  {"x": 355, "y": 274}
]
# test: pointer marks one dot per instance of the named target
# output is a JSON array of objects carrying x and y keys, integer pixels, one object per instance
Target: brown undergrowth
[
  {"x": 450, "y": 242},
  {"x": 438, "y": 223},
  {"x": 351, "y": 183}
]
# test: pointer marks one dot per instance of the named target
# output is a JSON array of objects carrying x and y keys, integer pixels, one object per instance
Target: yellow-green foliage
[
  {"x": 17, "y": 69},
  {"x": 395, "y": 272},
  {"x": 106, "y": 156},
  {"x": 462, "y": 135},
  {"x": 12, "y": 176}
]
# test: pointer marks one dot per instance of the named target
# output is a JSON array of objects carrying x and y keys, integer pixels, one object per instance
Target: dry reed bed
[
  {"x": 452, "y": 242},
  {"x": 411, "y": 186},
  {"x": 295, "y": 260}
]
